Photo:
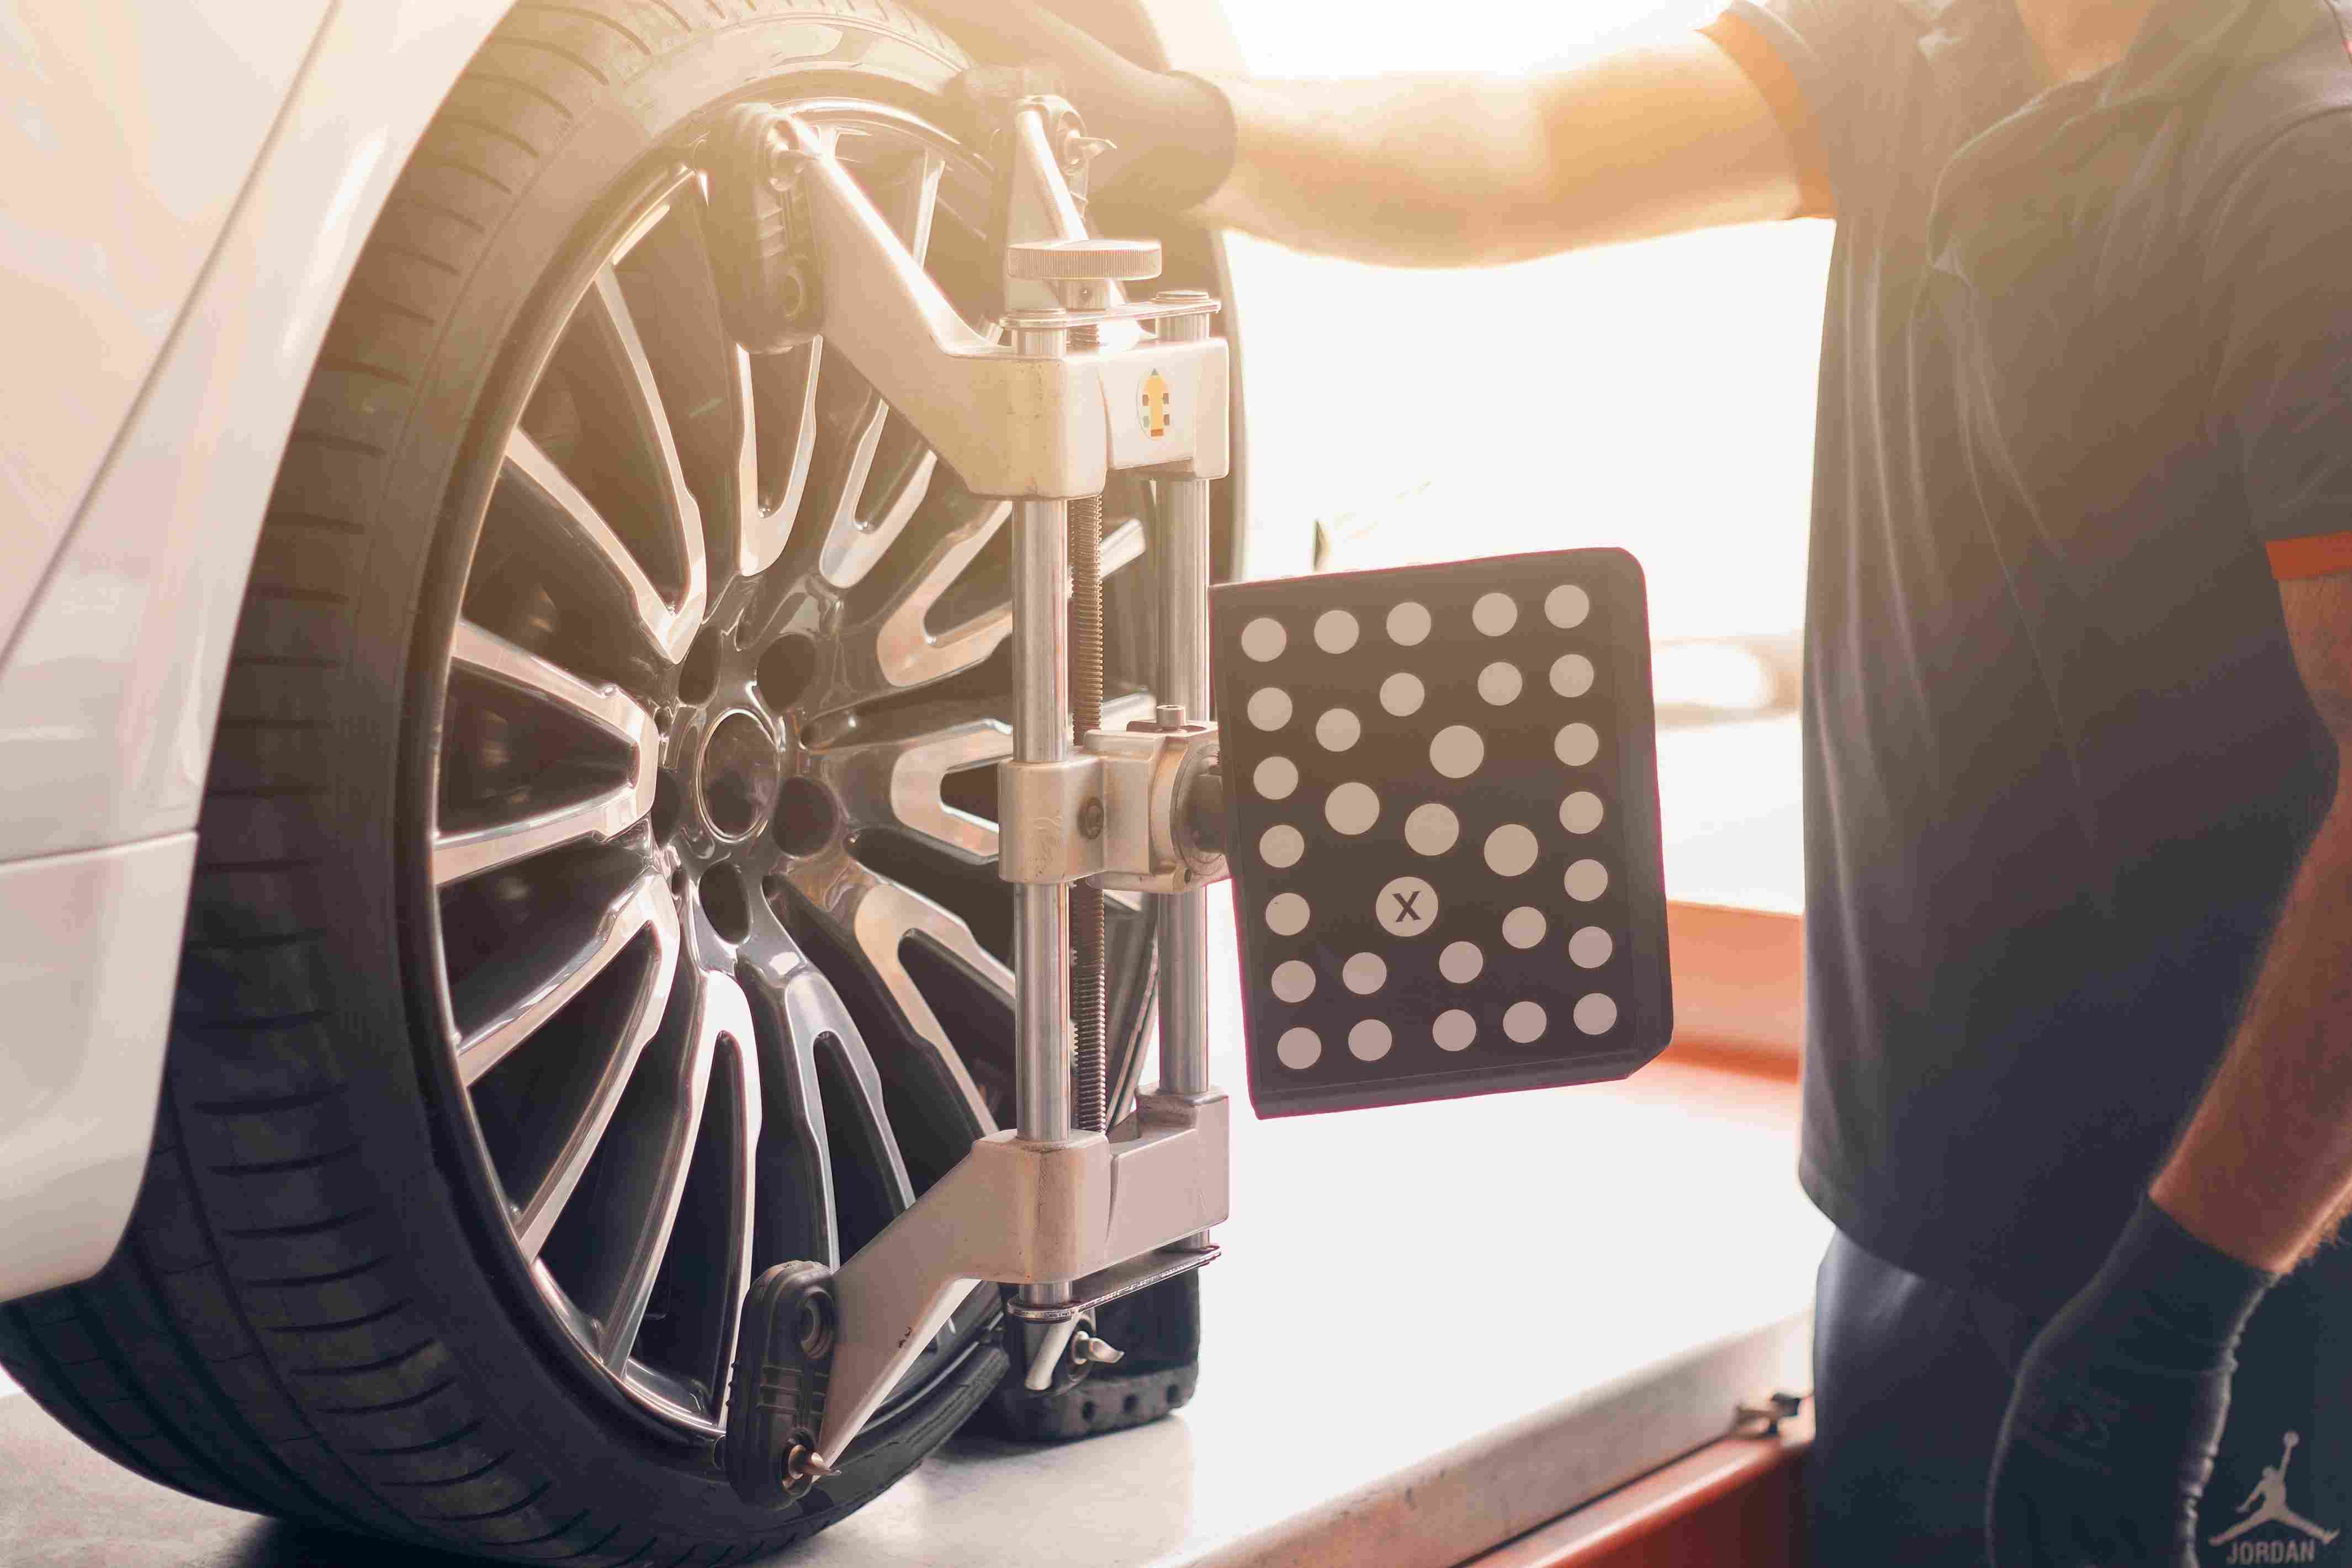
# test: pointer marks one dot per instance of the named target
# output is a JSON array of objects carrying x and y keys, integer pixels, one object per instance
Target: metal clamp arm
[
  {"x": 1008, "y": 424},
  {"x": 1017, "y": 1213}
]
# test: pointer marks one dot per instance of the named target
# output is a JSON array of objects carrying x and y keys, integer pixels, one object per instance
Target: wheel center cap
[{"x": 740, "y": 775}]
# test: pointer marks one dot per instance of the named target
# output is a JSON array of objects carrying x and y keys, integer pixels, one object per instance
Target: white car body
[{"x": 188, "y": 187}]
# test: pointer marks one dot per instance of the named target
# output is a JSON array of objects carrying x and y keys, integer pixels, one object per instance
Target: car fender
[{"x": 127, "y": 137}]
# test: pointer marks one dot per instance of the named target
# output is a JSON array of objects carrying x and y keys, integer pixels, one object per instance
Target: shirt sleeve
[
  {"x": 2279, "y": 290},
  {"x": 1806, "y": 57}
]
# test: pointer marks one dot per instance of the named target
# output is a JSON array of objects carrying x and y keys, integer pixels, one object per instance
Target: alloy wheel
[{"x": 721, "y": 950}]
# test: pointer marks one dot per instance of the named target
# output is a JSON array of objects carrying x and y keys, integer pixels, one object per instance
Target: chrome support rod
[
  {"x": 1183, "y": 678},
  {"x": 1041, "y": 733}
]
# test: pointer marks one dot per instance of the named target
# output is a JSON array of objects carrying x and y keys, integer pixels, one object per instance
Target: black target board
[{"x": 1444, "y": 816}]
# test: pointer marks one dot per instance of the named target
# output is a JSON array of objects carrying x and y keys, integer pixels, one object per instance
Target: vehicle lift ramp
[{"x": 1437, "y": 799}]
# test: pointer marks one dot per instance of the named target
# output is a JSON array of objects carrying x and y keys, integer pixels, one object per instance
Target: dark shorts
[{"x": 1910, "y": 1378}]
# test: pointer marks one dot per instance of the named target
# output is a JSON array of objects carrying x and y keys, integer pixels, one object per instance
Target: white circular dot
[
  {"x": 1499, "y": 683},
  {"x": 1275, "y": 777},
  {"x": 1580, "y": 812},
  {"x": 1567, "y": 605},
  {"x": 1286, "y": 914},
  {"x": 1590, "y": 947},
  {"x": 1456, "y": 752},
  {"x": 1364, "y": 974},
  {"x": 1369, "y": 1041},
  {"x": 1407, "y": 906},
  {"x": 1335, "y": 631},
  {"x": 1595, "y": 1014},
  {"x": 1586, "y": 880},
  {"x": 1292, "y": 981},
  {"x": 1408, "y": 623},
  {"x": 1338, "y": 730},
  {"x": 1454, "y": 1030},
  {"x": 1494, "y": 613},
  {"x": 1401, "y": 694},
  {"x": 1510, "y": 849},
  {"x": 1298, "y": 1049},
  {"x": 1264, "y": 638},
  {"x": 1351, "y": 808},
  {"x": 1571, "y": 675},
  {"x": 1576, "y": 744},
  {"x": 1431, "y": 829},
  {"x": 1461, "y": 962},
  {"x": 1524, "y": 927},
  {"x": 1269, "y": 708},
  {"x": 1523, "y": 1020},
  {"x": 1281, "y": 846}
]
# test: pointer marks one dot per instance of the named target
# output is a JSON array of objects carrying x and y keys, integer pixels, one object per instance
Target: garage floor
[{"x": 1435, "y": 1327}]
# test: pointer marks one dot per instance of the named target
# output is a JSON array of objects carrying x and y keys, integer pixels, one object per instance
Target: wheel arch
[{"x": 110, "y": 681}]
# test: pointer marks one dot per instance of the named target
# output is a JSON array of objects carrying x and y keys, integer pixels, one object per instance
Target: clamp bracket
[
  {"x": 1008, "y": 423},
  {"x": 1136, "y": 808},
  {"x": 1019, "y": 1213},
  {"x": 1035, "y": 410}
]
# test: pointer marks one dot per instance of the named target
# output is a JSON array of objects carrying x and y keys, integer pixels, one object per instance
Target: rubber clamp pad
[{"x": 783, "y": 1368}]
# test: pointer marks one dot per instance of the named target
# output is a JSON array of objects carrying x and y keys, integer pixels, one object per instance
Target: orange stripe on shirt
[
  {"x": 1762, "y": 65},
  {"x": 2314, "y": 556}
]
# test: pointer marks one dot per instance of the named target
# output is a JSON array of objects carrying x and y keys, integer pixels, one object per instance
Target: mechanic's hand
[
  {"x": 1174, "y": 131},
  {"x": 2111, "y": 1431}
]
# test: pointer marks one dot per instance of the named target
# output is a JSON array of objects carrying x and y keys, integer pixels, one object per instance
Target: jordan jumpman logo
[{"x": 2270, "y": 1492}]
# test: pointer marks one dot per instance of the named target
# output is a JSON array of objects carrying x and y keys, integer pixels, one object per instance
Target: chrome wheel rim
[{"x": 720, "y": 953}]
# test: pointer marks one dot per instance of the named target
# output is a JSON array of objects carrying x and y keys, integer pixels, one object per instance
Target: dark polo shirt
[{"x": 2086, "y": 390}]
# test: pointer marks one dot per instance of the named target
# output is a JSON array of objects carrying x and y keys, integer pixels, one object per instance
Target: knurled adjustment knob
[{"x": 1083, "y": 260}]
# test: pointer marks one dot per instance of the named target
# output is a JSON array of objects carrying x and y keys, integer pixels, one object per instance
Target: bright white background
[{"x": 1657, "y": 396}]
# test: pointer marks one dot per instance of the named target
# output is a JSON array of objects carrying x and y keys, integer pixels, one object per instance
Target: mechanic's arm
[
  {"x": 2264, "y": 1171},
  {"x": 1423, "y": 170},
  {"x": 1443, "y": 171},
  {"x": 2120, "y": 1402}
]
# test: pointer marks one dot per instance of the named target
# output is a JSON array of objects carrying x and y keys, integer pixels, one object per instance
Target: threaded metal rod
[{"x": 1088, "y": 1111}]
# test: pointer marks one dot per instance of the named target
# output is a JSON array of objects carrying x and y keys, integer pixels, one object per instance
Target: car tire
[{"x": 319, "y": 1311}]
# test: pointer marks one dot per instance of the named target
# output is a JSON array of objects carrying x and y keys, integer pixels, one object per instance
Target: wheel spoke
[
  {"x": 491, "y": 1030},
  {"x": 897, "y": 784},
  {"x": 1122, "y": 545},
  {"x": 860, "y": 526},
  {"x": 825, "y": 1016},
  {"x": 768, "y": 508},
  {"x": 900, "y": 783},
  {"x": 892, "y": 649},
  {"x": 906, "y": 195},
  {"x": 795, "y": 996},
  {"x": 605, "y": 312},
  {"x": 1120, "y": 711},
  {"x": 648, "y": 907},
  {"x": 471, "y": 851},
  {"x": 739, "y": 1052},
  {"x": 877, "y": 918},
  {"x": 654, "y": 1162},
  {"x": 810, "y": 1019},
  {"x": 574, "y": 520}
]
